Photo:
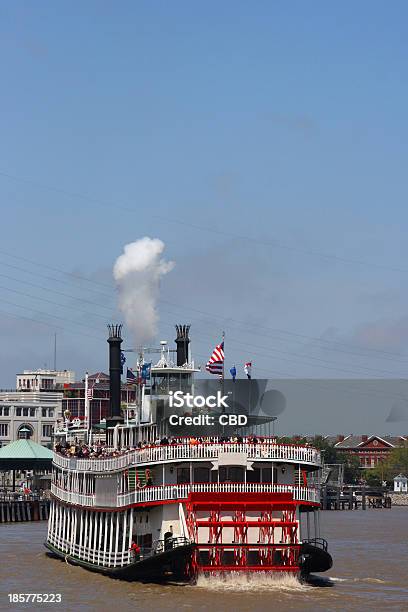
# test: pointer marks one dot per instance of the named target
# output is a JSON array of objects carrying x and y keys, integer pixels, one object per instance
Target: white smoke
[{"x": 138, "y": 272}]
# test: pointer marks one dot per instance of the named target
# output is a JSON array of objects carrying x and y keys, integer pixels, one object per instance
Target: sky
[{"x": 265, "y": 143}]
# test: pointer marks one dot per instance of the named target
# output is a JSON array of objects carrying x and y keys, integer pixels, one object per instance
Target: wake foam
[{"x": 250, "y": 581}]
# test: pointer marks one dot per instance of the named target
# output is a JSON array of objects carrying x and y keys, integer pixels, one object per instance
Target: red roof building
[
  {"x": 74, "y": 397},
  {"x": 370, "y": 450}
]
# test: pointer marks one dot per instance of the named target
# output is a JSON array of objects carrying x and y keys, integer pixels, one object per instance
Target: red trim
[
  {"x": 279, "y": 545},
  {"x": 249, "y": 568},
  {"x": 166, "y": 502},
  {"x": 257, "y": 523}
]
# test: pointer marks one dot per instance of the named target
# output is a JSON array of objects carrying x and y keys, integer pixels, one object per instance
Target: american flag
[
  {"x": 215, "y": 364},
  {"x": 131, "y": 378}
]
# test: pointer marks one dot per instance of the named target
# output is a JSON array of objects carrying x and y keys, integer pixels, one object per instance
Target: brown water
[{"x": 370, "y": 572}]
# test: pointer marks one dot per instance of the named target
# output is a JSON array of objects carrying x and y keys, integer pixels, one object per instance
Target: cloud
[
  {"x": 383, "y": 334},
  {"x": 138, "y": 272}
]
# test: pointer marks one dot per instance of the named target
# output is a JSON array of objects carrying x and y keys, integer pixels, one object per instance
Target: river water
[{"x": 370, "y": 551}]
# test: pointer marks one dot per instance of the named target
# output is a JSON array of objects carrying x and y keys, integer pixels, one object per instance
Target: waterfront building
[
  {"x": 44, "y": 380},
  {"x": 370, "y": 450},
  {"x": 32, "y": 409},
  {"x": 73, "y": 401},
  {"x": 400, "y": 484}
]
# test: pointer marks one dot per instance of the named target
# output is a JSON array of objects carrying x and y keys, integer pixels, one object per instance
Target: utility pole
[{"x": 55, "y": 351}]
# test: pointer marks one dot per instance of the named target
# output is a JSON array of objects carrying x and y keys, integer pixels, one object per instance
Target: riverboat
[{"x": 155, "y": 504}]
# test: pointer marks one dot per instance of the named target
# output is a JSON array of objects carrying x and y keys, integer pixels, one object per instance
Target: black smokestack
[
  {"x": 115, "y": 370},
  {"x": 182, "y": 342}
]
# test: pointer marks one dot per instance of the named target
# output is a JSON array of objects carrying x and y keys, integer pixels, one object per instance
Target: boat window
[
  {"x": 236, "y": 473},
  {"x": 253, "y": 475},
  {"x": 231, "y": 473},
  {"x": 201, "y": 474},
  {"x": 267, "y": 475},
  {"x": 183, "y": 475}
]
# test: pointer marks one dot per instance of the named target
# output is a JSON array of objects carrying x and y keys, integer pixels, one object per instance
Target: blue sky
[{"x": 265, "y": 143}]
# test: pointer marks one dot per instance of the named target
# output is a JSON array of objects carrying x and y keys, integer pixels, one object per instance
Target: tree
[
  {"x": 352, "y": 468},
  {"x": 396, "y": 463},
  {"x": 372, "y": 478},
  {"x": 330, "y": 454}
]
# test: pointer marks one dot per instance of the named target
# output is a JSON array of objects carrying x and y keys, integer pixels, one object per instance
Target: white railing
[
  {"x": 96, "y": 465},
  {"x": 181, "y": 491},
  {"x": 79, "y": 499},
  {"x": 90, "y": 555},
  {"x": 153, "y": 454},
  {"x": 180, "y": 452}
]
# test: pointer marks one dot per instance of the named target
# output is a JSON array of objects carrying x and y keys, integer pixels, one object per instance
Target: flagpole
[
  {"x": 86, "y": 406},
  {"x": 223, "y": 363}
]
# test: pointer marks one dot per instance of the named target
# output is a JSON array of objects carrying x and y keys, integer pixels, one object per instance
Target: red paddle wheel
[
  {"x": 240, "y": 537},
  {"x": 266, "y": 536},
  {"x": 238, "y": 532}
]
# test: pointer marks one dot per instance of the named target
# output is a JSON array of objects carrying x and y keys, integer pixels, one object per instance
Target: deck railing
[
  {"x": 181, "y": 491},
  {"x": 201, "y": 451},
  {"x": 91, "y": 555},
  {"x": 79, "y": 499}
]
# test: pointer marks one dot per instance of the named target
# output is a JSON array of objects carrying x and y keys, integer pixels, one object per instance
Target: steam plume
[{"x": 138, "y": 272}]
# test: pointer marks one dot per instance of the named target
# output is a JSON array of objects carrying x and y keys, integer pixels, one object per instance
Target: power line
[
  {"x": 270, "y": 243},
  {"x": 47, "y": 314},
  {"x": 273, "y": 244},
  {"x": 302, "y": 358},
  {"x": 284, "y": 331},
  {"x": 71, "y": 297},
  {"x": 278, "y": 245},
  {"x": 43, "y": 265},
  {"x": 34, "y": 297},
  {"x": 291, "y": 353},
  {"x": 350, "y": 390},
  {"x": 199, "y": 311},
  {"x": 54, "y": 326},
  {"x": 51, "y": 278}
]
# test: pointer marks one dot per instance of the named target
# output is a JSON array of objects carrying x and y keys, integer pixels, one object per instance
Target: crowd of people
[
  {"x": 88, "y": 451},
  {"x": 82, "y": 450}
]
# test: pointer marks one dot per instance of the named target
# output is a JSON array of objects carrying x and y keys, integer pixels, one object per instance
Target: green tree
[
  {"x": 352, "y": 469},
  {"x": 372, "y": 477},
  {"x": 398, "y": 461},
  {"x": 329, "y": 453}
]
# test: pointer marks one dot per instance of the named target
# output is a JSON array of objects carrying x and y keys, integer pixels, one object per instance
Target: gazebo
[
  {"x": 400, "y": 484},
  {"x": 24, "y": 454}
]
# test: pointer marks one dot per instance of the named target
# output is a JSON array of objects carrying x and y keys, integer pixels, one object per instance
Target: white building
[
  {"x": 32, "y": 410},
  {"x": 400, "y": 484},
  {"x": 43, "y": 380}
]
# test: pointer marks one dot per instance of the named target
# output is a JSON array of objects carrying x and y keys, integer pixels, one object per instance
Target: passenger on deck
[{"x": 135, "y": 548}]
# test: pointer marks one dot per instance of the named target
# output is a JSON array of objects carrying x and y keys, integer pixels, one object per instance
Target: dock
[
  {"x": 354, "y": 498},
  {"x": 23, "y": 508}
]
